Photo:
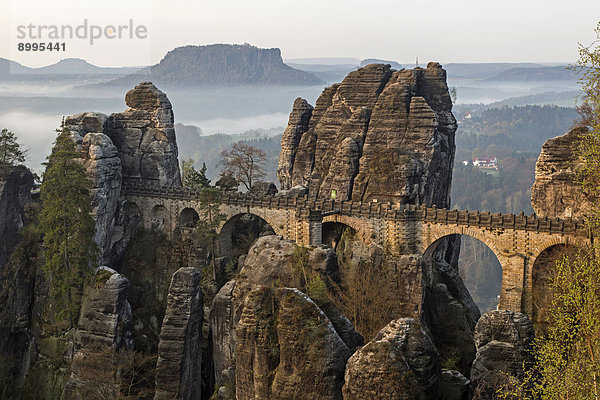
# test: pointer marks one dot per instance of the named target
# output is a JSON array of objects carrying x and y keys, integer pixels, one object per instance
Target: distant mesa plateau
[{"x": 220, "y": 65}]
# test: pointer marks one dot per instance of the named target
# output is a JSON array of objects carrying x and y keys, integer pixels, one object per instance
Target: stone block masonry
[{"x": 517, "y": 240}]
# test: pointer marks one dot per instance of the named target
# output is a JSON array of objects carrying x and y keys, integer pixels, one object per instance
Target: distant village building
[{"x": 486, "y": 163}]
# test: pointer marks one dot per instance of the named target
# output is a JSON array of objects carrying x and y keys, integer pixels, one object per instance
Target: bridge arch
[
  {"x": 188, "y": 217},
  {"x": 542, "y": 273},
  {"x": 132, "y": 213},
  {"x": 160, "y": 219},
  {"x": 577, "y": 242},
  {"x": 252, "y": 226},
  {"x": 435, "y": 237},
  {"x": 332, "y": 233},
  {"x": 363, "y": 228},
  {"x": 495, "y": 267}
]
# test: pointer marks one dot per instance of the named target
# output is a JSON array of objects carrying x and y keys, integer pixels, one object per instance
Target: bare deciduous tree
[{"x": 243, "y": 162}]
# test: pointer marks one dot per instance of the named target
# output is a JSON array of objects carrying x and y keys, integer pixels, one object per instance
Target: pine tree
[
  {"x": 67, "y": 226},
  {"x": 196, "y": 179},
  {"x": 212, "y": 218},
  {"x": 192, "y": 178},
  {"x": 10, "y": 150}
]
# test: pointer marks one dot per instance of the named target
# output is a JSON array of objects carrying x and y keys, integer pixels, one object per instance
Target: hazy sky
[{"x": 441, "y": 30}]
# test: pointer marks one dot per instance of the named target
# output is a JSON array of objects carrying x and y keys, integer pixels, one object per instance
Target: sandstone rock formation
[
  {"x": 178, "y": 368},
  {"x": 448, "y": 309},
  {"x": 287, "y": 348},
  {"x": 104, "y": 166},
  {"x": 556, "y": 193},
  {"x": 401, "y": 362},
  {"x": 135, "y": 146},
  {"x": 379, "y": 134},
  {"x": 454, "y": 385},
  {"x": 15, "y": 192},
  {"x": 503, "y": 340},
  {"x": 271, "y": 263},
  {"x": 222, "y": 323},
  {"x": 297, "y": 126},
  {"x": 104, "y": 328},
  {"x": 145, "y": 137}
]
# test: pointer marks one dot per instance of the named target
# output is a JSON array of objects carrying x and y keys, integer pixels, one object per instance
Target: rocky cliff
[
  {"x": 256, "y": 328},
  {"x": 103, "y": 331},
  {"x": 15, "y": 192},
  {"x": 386, "y": 135},
  {"x": 221, "y": 65},
  {"x": 380, "y": 134},
  {"x": 135, "y": 146},
  {"x": 179, "y": 365},
  {"x": 504, "y": 341},
  {"x": 401, "y": 362},
  {"x": 556, "y": 192}
]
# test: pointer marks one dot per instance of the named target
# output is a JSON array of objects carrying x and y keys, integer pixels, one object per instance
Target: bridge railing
[{"x": 380, "y": 210}]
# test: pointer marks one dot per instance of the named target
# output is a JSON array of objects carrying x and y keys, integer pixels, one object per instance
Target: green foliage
[
  {"x": 192, "y": 178},
  {"x": 67, "y": 226},
  {"x": 10, "y": 151},
  {"x": 227, "y": 182},
  {"x": 568, "y": 355},
  {"x": 588, "y": 69},
  {"x": 210, "y": 220},
  {"x": 317, "y": 289}
]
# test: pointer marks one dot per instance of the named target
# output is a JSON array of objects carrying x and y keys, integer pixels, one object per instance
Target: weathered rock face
[
  {"x": 178, "y": 369},
  {"x": 379, "y": 134},
  {"x": 104, "y": 166},
  {"x": 454, "y": 386},
  {"x": 264, "y": 188},
  {"x": 222, "y": 324},
  {"x": 15, "y": 191},
  {"x": 297, "y": 126},
  {"x": 448, "y": 309},
  {"x": 401, "y": 362},
  {"x": 556, "y": 193},
  {"x": 135, "y": 146},
  {"x": 503, "y": 340},
  {"x": 145, "y": 138},
  {"x": 271, "y": 262},
  {"x": 105, "y": 328},
  {"x": 287, "y": 348}
]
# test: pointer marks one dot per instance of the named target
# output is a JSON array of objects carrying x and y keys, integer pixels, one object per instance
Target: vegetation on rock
[
  {"x": 67, "y": 226},
  {"x": 568, "y": 355},
  {"x": 11, "y": 153}
]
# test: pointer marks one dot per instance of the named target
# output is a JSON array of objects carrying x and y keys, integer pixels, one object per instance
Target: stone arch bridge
[{"x": 516, "y": 240}]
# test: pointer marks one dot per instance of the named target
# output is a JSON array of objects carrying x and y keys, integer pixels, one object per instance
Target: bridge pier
[{"x": 513, "y": 280}]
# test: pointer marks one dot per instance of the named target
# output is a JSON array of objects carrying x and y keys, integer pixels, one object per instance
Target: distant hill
[
  {"x": 67, "y": 66},
  {"x": 559, "y": 73},
  {"x": 329, "y": 73},
  {"x": 324, "y": 61},
  {"x": 482, "y": 70},
  {"x": 368, "y": 61},
  {"x": 220, "y": 65},
  {"x": 11, "y": 67},
  {"x": 77, "y": 66}
]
